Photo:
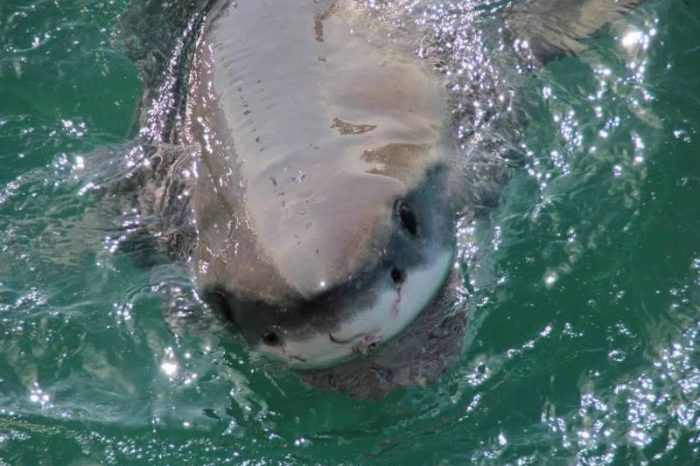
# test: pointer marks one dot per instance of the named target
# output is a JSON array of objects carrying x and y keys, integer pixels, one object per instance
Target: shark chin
[{"x": 394, "y": 307}]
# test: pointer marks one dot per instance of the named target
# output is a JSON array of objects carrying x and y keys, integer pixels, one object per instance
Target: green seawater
[{"x": 584, "y": 302}]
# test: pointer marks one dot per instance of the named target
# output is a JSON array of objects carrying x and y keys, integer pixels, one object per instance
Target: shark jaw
[{"x": 394, "y": 309}]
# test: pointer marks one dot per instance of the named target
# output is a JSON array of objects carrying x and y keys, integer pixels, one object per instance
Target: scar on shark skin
[
  {"x": 395, "y": 305},
  {"x": 293, "y": 356},
  {"x": 368, "y": 343}
]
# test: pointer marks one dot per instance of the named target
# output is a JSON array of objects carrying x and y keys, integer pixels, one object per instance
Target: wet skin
[{"x": 323, "y": 221}]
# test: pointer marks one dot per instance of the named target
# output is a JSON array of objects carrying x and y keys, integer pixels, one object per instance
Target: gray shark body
[{"x": 313, "y": 180}]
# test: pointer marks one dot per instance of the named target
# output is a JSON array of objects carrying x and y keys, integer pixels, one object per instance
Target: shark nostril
[
  {"x": 271, "y": 339},
  {"x": 398, "y": 276}
]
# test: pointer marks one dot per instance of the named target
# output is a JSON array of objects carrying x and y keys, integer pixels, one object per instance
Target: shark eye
[
  {"x": 407, "y": 217},
  {"x": 271, "y": 339}
]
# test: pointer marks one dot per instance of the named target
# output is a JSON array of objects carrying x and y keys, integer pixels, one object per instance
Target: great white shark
[{"x": 300, "y": 156}]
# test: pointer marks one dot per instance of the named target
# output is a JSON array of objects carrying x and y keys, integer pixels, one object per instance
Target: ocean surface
[{"x": 583, "y": 282}]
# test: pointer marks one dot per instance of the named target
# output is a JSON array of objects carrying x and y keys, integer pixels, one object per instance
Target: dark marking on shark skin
[
  {"x": 347, "y": 128},
  {"x": 319, "y": 18},
  {"x": 393, "y": 159}
]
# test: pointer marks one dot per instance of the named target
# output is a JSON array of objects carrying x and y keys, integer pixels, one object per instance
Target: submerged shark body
[{"x": 313, "y": 195}]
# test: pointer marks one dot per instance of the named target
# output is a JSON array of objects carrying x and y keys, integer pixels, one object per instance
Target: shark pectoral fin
[{"x": 554, "y": 28}]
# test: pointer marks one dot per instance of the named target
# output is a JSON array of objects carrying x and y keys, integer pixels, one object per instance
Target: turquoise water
[{"x": 583, "y": 284}]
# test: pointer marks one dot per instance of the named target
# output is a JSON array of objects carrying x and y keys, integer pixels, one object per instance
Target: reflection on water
[{"x": 583, "y": 284}]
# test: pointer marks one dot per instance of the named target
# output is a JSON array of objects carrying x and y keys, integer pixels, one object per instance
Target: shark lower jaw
[{"x": 370, "y": 327}]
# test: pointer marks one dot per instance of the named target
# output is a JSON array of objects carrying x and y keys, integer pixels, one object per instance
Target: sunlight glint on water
[{"x": 583, "y": 284}]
